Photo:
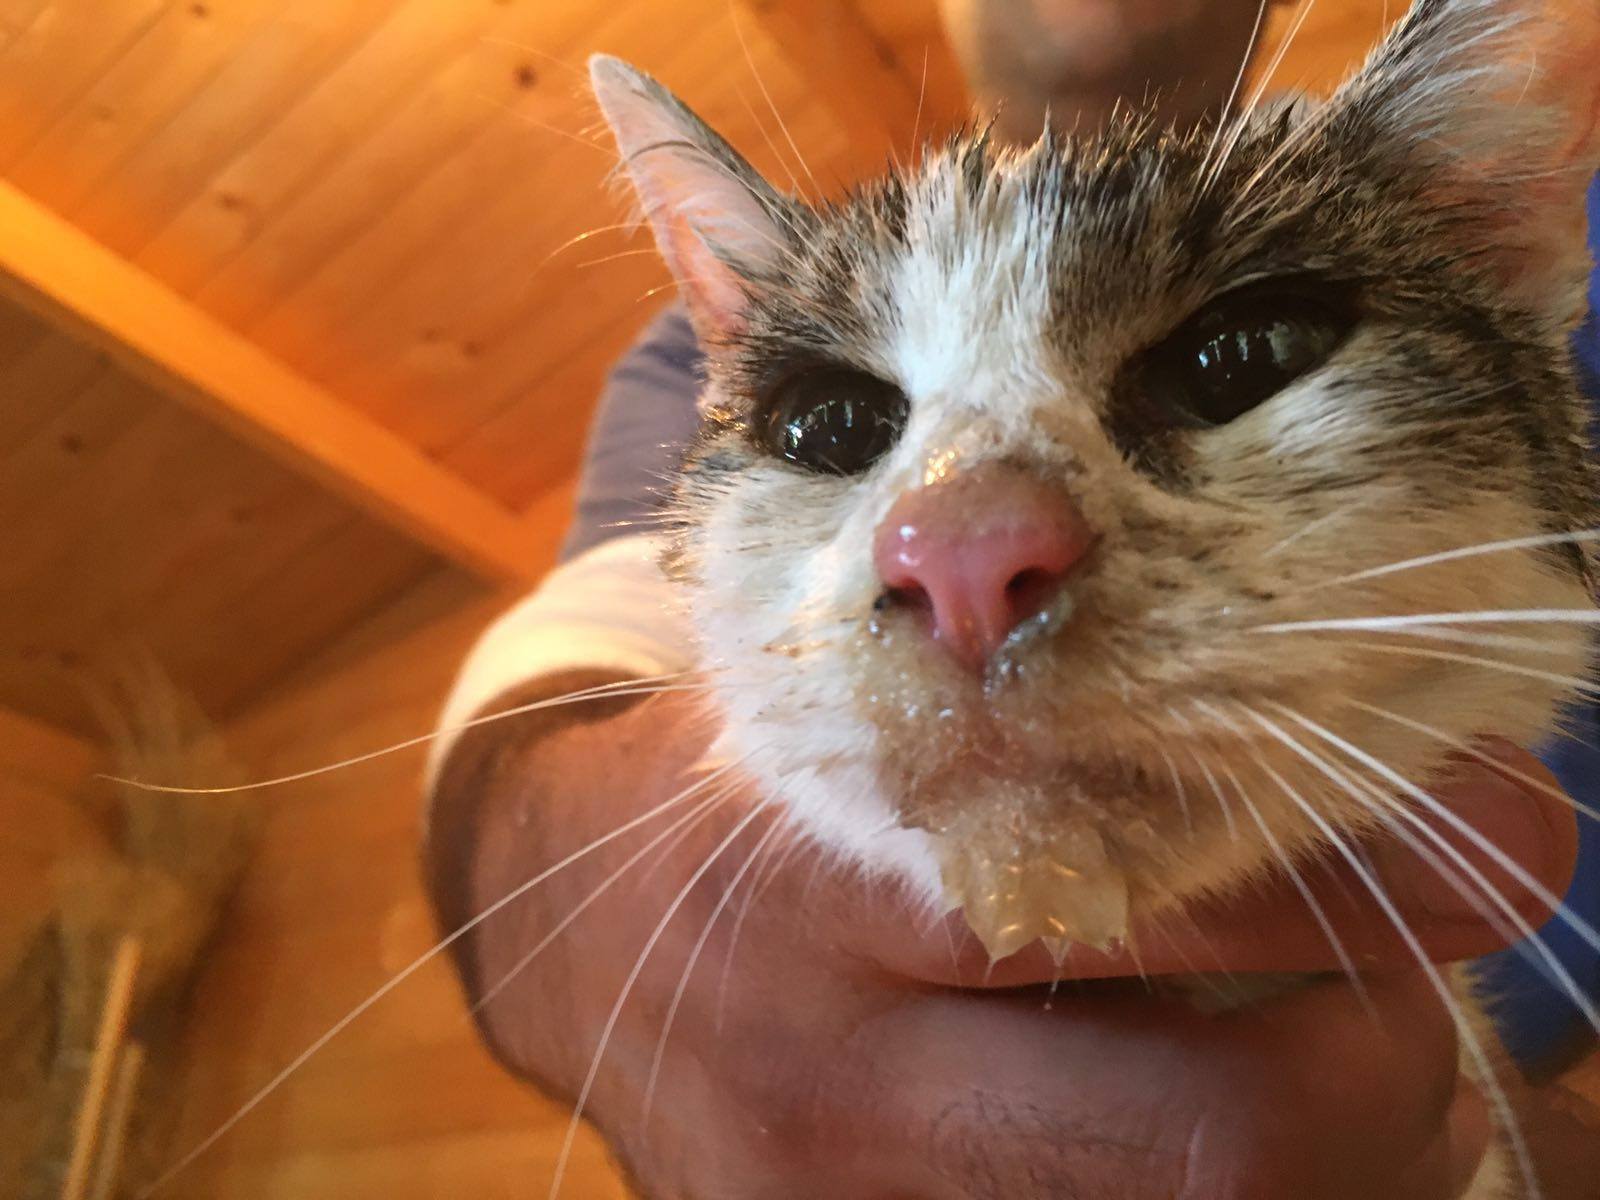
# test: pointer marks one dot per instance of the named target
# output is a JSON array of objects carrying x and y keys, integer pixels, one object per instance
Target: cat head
[{"x": 1038, "y": 488}]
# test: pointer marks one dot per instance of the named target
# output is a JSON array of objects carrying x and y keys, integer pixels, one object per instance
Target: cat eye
[
  {"x": 832, "y": 420},
  {"x": 1240, "y": 352}
]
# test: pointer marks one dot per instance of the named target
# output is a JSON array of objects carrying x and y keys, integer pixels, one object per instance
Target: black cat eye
[
  {"x": 832, "y": 420},
  {"x": 1241, "y": 351}
]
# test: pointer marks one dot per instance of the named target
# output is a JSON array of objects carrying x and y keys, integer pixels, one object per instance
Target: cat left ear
[
  {"x": 1505, "y": 96},
  {"x": 721, "y": 228}
]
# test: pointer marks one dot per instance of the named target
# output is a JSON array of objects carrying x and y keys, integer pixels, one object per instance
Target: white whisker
[
  {"x": 1577, "y": 924},
  {"x": 684, "y": 825},
  {"x": 1177, "y": 786},
  {"x": 1427, "y": 560},
  {"x": 694, "y": 957},
  {"x": 1467, "y": 748},
  {"x": 627, "y": 988},
  {"x": 1298, "y": 880},
  {"x": 1389, "y": 809},
  {"x": 1476, "y": 660},
  {"x": 783, "y": 126},
  {"x": 1210, "y": 778},
  {"x": 416, "y": 964},
  {"x": 1471, "y": 1043},
  {"x": 1509, "y": 616},
  {"x": 763, "y": 878},
  {"x": 629, "y": 687},
  {"x": 1223, "y": 118},
  {"x": 1491, "y": 641},
  {"x": 1343, "y": 510}
]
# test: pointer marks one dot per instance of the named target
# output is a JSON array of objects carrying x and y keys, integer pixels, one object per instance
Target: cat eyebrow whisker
[
  {"x": 1223, "y": 119},
  {"x": 1254, "y": 103},
  {"x": 783, "y": 126},
  {"x": 777, "y": 155}
]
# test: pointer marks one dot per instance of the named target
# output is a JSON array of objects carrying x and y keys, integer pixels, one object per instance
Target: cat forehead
[{"x": 1071, "y": 241}]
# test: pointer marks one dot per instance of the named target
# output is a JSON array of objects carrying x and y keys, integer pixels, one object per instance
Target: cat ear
[
  {"x": 1504, "y": 97},
  {"x": 721, "y": 228}
]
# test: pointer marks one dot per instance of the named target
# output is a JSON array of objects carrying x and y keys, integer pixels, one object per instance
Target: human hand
[
  {"x": 854, "y": 1055},
  {"x": 1078, "y": 58}
]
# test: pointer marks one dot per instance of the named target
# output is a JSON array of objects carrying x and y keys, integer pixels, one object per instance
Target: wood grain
[
  {"x": 405, "y": 1104},
  {"x": 48, "y": 264}
]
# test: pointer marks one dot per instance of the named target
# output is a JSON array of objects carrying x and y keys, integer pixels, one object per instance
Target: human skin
[
  {"x": 1076, "y": 58},
  {"x": 857, "y": 1053}
]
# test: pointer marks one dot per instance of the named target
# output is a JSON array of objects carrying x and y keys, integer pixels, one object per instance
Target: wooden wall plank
[
  {"x": 63, "y": 49},
  {"x": 425, "y": 130},
  {"x": 187, "y": 546},
  {"x": 52, "y": 266},
  {"x": 217, "y": 205},
  {"x": 175, "y": 57},
  {"x": 265, "y": 75},
  {"x": 40, "y": 368},
  {"x": 547, "y": 420}
]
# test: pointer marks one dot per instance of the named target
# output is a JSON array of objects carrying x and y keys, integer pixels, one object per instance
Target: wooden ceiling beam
[{"x": 51, "y": 267}]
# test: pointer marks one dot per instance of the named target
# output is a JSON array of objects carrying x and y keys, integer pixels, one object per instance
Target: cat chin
[{"x": 838, "y": 805}]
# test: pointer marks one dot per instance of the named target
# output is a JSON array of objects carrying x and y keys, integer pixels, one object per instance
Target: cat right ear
[
  {"x": 720, "y": 227},
  {"x": 1504, "y": 95}
]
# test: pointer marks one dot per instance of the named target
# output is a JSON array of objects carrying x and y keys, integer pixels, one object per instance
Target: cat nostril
[
  {"x": 1028, "y": 582},
  {"x": 978, "y": 555},
  {"x": 1031, "y": 591},
  {"x": 912, "y": 595}
]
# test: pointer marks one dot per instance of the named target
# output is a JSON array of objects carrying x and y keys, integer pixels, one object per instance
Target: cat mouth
[{"x": 1041, "y": 847}]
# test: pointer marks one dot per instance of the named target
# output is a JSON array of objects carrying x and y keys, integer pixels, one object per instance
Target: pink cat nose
[{"x": 980, "y": 553}]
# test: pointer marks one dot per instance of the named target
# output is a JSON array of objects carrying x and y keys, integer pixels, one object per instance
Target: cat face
[{"x": 1022, "y": 471}]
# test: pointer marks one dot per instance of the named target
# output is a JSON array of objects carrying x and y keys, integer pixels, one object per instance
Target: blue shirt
[{"x": 647, "y": 415}]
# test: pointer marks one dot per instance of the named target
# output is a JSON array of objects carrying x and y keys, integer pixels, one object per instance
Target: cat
[{"x": 1079, "y": 521}]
